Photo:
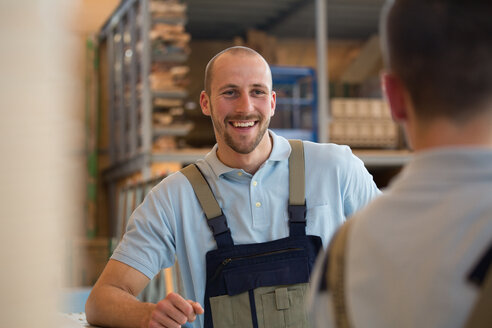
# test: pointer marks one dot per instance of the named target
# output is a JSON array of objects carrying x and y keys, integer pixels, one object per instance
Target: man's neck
[
  {"x": 476, "y": 132},
  {"x": 250, "y": 162}
]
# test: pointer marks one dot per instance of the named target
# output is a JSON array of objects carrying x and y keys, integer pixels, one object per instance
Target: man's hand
[{"x": 174, "y": 311}]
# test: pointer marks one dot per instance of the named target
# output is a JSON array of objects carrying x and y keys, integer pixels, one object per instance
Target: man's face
[{"x": 241, "y": 101}]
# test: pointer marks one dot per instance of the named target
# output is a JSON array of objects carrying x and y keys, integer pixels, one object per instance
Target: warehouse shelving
[
  {"x": 296, "y": 111},
  {"x": 130, "y": 58},
  {"x": 383, "y": 158},
  {"x": 142, "y": 51},
  {"x": 140, "y": 43},
  {"x": 133, "y": 100}
]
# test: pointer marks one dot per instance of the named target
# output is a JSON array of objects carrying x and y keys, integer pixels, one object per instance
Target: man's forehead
[
  {"x": 231, "y": 59},
  {"x": 237, "y": 69}
]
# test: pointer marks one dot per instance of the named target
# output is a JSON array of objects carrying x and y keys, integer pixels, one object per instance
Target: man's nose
[{"x": 244, "y": 104}]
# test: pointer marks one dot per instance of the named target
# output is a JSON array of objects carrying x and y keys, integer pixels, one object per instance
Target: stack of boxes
[
  {"x": 169, "y": 77},
  {"x": 362, "y": 123}
]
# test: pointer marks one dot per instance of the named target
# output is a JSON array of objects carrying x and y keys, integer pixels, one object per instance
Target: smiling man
[
  {"x": 245, "y": 223},
  {"x": 238, "y": 96}
]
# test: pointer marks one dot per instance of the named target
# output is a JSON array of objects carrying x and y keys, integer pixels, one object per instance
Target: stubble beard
[
  {"x": 238, "y": 146},
  {"x": 247, "y": 148}
]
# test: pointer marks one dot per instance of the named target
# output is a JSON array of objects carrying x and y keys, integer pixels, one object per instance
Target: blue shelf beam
[{"x": 297, "y": 102}]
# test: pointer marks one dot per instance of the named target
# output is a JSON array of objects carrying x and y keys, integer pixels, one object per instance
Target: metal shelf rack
[
  {"x": 296, "y": 111},
  {"x": 133, "y": 98}
]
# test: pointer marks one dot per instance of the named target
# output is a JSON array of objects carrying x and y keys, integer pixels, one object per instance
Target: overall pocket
[
  {"x": 231, "y": 311},
  {"x": 282, "y": 306},
  {"x": 276, "y": 307}
]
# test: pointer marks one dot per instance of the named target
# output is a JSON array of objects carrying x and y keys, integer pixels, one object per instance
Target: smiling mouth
[{"x": 248, "y": 124}]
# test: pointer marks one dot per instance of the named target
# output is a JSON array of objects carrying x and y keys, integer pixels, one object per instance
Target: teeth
[{"x": 243, "y": 124}]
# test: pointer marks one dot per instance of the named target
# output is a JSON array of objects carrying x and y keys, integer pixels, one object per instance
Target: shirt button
[
  {"x": 255, "y": 183},
  {"x": 239, "y": 173},
  {"x": 258, "y": 204}
]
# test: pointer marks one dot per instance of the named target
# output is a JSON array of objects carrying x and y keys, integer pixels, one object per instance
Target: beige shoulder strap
[
  {"x": 296, "y": 182},
  {"x": 296, "y": 173},
  {"x": 481, "y": 314},
  {"x": 335, "y": 275},
  {"x": 202, "y": 191}
]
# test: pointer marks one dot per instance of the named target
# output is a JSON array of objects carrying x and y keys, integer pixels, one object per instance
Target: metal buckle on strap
[
  {"x": 218, "y": 225},
  {"x": 297, "y": 213}
]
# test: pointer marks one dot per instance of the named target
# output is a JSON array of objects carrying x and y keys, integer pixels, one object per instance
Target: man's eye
[
  {"x": 259, "y": 92},
  {"x": 229, "y": 92}
]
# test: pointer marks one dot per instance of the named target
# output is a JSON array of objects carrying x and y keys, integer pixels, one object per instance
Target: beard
[
  {"x": 240, "y": 143},
  {"x": 243, "y": 146}
]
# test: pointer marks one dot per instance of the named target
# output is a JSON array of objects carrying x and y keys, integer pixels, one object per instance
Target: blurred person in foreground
[
  {"x": 245, "y": 254},
  {"x": 417, "y": 256}
]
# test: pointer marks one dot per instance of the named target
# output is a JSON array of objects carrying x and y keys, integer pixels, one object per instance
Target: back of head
[{"x": 442, "y": 51}]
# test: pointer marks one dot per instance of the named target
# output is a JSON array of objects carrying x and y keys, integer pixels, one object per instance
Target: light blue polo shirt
[{"x": 170, "y": 221}]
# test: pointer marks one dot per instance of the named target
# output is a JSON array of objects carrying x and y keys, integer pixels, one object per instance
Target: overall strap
[
  {"x": 216, "y": 220},
  {"x": 481, "y": 275},
  {"x": 336, "y": 273},
  {"x": 297, "y": 199}
]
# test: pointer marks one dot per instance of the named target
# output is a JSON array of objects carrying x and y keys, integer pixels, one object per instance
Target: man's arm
[
  {"x": 360, "y": 188},
  {"x": 113, "y": 302}
]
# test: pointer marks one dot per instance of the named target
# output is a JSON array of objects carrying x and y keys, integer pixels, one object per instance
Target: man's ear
[
  {"x": 395, "y": 93},
  {"x": 205, "y": 103},
  {"x": 273, "y": 103}
]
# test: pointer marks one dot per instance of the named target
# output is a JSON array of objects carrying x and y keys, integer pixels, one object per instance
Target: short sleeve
[
  {"x": 148, "y": 244},
  {"x": 359, "y": 187}
]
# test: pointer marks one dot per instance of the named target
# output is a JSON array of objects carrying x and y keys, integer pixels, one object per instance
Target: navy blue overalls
[{"x": 264, "y": 284}]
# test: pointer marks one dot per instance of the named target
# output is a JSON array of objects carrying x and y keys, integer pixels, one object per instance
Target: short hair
[
  {"x": 442, "y": 51},
  {"x": 232, "y": 50}
]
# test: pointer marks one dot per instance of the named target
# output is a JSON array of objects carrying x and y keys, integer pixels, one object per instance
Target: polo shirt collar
[{"x": 280, "y": 151}]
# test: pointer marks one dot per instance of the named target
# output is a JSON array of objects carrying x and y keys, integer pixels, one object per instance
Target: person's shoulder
[
  {"x": 327, "y": 149},
  {"x": 174, "y": 178},
  {"x": 381, "y": 211},
  {"x": 329, "y": 154},
  {"x": 173, "y": 183}
]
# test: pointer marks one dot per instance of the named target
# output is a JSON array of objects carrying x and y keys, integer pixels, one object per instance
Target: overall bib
[{"x": 258, "y": 285}]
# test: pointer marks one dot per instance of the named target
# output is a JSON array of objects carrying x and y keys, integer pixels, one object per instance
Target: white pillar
[{"x": 40, "y": 161}]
